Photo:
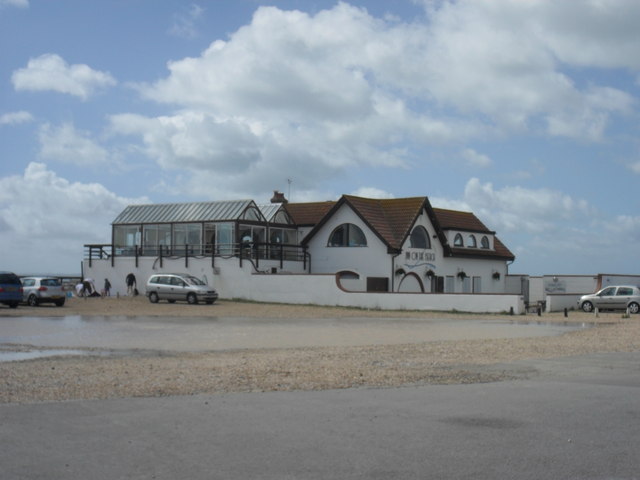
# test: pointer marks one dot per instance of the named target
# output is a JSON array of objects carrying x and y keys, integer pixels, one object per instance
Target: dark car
[
  {"x": 37, "y": 290},
  {"x": 10, "y": 289}
]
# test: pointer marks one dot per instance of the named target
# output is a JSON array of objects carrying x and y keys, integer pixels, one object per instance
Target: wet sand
[{"x": 140, "y": 372}]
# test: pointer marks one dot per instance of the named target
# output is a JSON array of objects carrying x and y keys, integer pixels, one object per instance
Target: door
[
  {"x": 177, "y": 289},
  {"x": 606, "y": 298},
  {"x": 623, "y": 295}
]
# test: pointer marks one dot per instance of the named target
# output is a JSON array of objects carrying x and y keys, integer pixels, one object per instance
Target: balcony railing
[{"x": 254, "y": 252}]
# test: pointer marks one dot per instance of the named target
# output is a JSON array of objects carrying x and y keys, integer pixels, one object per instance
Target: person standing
[
  {"x": 131, "y": 284},
  {"x": 107, "y": 288}
]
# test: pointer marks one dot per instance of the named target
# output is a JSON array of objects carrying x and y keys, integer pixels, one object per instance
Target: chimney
[{"x": 278, "y": 197}]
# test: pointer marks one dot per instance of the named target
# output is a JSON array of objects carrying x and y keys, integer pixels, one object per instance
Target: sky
[{"x": 523, "y": 112}]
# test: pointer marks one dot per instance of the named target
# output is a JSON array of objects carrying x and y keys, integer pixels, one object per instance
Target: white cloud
[
  {"x": 476, "y": 159},
  {"x": 14, "y": 118},
  {"x": 46, "y": 219},
  {"x": 14, "y": 3},
  {"x": 635, "y": 167},
  {"x": 372, "y": 192},
  {"x": 68, "y": 145},
  {"x": 519, "y": 209},
  {"x": 49, "y": 72},
  {"x": 346, "y": 89},
  {"x": 185, "y": 23}
]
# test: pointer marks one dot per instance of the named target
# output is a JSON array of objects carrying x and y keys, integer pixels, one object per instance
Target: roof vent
[{"x": 278, "y": 197}]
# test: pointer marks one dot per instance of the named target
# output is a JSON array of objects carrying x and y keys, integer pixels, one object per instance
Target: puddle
[
  {"x": 72, "y": 333},
  {"x": 9, "y": 356}
]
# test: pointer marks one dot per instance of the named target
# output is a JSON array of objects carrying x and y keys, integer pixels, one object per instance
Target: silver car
[
  {"x": 37, "y": 290},
  {"x": 179, "y": 286},
  {"x": 620, "y": 297}
]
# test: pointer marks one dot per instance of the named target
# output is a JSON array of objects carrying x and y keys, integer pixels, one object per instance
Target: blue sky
[{"x": 524, "y": 112}]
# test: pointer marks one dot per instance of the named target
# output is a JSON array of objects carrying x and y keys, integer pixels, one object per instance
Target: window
[
  {"x": 225, "y": 238},
  {"x": 126, "y": 237},
  {"x": 477, "y": 284},
  {"x": 252, "y": 213},
  {"x": 625, "y": 291},
  {"x": 154, "y": 236},
  {"x": 347, "y": 235},
  {"x": 484, "y": 242},
  {"x": 457, "y": 241},
  {"x": 252, "y": 234},
  {"x": 282, "y": 217},
  {"x": 187, "y": 234},
  {"x": 419, "y": 238},
  {"x": 607, "y": 292},
  {"x": 471, "y": 241},
  {"x": 449, "y": 285}
]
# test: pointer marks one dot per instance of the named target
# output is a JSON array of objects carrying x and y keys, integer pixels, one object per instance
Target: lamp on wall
[
  {"x": 430, "y": 273},
  {"x": 400, "y": 271},
  {"x": 496, "y": 275},
  {"x": 462, "y": 275}
]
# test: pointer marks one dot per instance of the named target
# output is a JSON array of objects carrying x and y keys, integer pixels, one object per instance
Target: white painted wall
[
  {"x": 231, "y": 281},
  {"x": 609, "y": 280},
  {"x": 369, "y": 261},
  {"x": 569, "y": 284},
  {"x": 374, "y": 261}
]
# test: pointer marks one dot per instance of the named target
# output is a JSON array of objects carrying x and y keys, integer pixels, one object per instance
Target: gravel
[{"x": 147, "y": 374}]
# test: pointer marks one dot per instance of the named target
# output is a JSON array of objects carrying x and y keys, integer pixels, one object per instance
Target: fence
[{"x": 254, "y": 252}]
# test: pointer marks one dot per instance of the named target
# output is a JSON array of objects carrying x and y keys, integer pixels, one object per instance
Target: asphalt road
[{"x": 573, "y": 418}]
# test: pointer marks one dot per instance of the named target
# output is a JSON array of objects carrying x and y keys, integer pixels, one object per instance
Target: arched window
[
  {"x": 347, "y": 235},
  {"x": 484, "y": 243},
  {"x": 419, "y": 238},
  {"x": 471, "y": 241},
  {"x": 457, "y": 241}
]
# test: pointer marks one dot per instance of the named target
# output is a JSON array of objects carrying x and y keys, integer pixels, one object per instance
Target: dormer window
[
  {"x": 471, "y": 241},
  {"x": 420, "y": 238},
  {"x": 484, "y": 242},
  {"x": 457, "y": 241},
  {"x": 347, "y": 235}
]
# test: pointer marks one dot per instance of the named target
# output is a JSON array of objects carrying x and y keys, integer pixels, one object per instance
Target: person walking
[{"x": 131, "y": 284}]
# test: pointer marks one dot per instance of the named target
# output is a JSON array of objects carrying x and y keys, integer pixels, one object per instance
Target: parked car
[
  {"x": 178, "y": 286},
  {"x": 620, "y": 297},
  {"x": 37, "y": 290},
  {"x": 10, "y": 289}
]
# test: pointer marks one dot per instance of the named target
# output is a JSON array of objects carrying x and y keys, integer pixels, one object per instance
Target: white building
[
  {"x": 380, "y": 253},
  {"x": 403, "y": 245}
]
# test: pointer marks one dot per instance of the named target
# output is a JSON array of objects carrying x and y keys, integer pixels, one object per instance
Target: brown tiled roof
[
  {"x": 465, "y": 221},
  {"x": 499, "y": 251},
  {"x": 391, "y": 219},
  {"x": 468, "y": 222},
  {"x": 305, "y": 214}
]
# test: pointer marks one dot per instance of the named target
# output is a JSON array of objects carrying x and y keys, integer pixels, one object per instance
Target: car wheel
[
  {"x": 60, "y": 303},
  {"x": 192, "y": 299},
  {"x": 587, "y": 307},
  {"x": 32, "y": 301},
  {"x": 153, "y": 297},
  {"x": 634, "y": 307}
]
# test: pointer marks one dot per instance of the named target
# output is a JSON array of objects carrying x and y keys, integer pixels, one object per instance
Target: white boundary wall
[{"x": 231, "y": 281}]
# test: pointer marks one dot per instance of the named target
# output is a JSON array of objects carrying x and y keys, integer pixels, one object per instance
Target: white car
[
  {"x": 37, "y": 290},
  {"x": 619, "y": 297},
  {"x": 179, "y": 286}
]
